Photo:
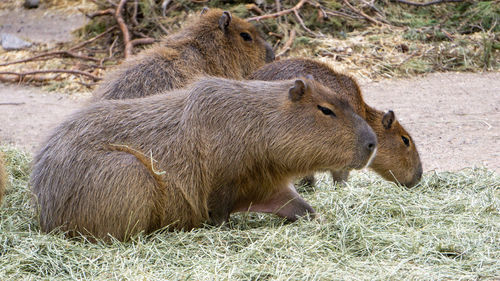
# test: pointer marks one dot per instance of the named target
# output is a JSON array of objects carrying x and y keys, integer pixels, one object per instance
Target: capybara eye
[
  {"x": 406, "y": 140},
  {"x": 326, "y": 111},
  {"x": 246, "y": 36}
]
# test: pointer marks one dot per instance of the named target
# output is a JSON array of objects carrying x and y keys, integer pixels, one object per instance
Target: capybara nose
[
  {"x": 369, "y": 140},
  {"x": 416, "y": 178},
  {"x": 371, "y": 146}
]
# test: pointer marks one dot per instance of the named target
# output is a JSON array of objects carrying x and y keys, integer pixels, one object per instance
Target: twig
[
  {"x": 100, "y": 13},
  {"x": 280, "y": 13},
  {"x": 295, "y": 10},
  {"x": 288, "y": 44},
  {"x": 21, "y": 75},
  {"x": 164, "y": 6},
  {"x": 134, "y": 13},
  {"x": 301, "y": 22},
  {"x": 278, "y": 9},
  {"x": 79, "y": 45},
  {"x": 362, "y": 13},
  {"x": 124, "y": 29},
  {"x": 112, "y": 46},
  {"x": 254, "y": 8},
  {"x": 427, "y": 3},
  {"x": 50, "y": 54}
]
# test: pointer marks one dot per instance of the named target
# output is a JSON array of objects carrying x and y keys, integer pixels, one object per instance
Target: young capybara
[
  {"x": 397, "y": 158},
  {"x": 216, "y": 44},
  {"x": 192, "y": 156}
]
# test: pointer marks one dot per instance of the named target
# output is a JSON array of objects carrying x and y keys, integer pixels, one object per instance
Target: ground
[{"x": 454, "y": 118}]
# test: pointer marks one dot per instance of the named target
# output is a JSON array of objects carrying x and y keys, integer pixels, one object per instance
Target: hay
[{"x": 448, "y": 227}]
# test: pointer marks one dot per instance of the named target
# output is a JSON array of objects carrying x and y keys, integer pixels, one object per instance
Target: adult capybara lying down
[
  {"x": 397, "y": 157},
  {"x": 215, "y": 44},
  {"x": 194, "y": 155}
]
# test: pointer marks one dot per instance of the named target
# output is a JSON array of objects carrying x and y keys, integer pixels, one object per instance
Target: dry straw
[{"x": 448, "y": 227}]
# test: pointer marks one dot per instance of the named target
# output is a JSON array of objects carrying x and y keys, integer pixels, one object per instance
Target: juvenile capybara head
[
  {"x": 397, "y": 158},
  {"x": 218, "y": 30},
  {"x": 328, "y": 126}
]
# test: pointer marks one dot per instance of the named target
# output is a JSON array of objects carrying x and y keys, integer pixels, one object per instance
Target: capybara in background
[
  {"x": 192, "y": 156},
  {"x": 216, "y": 44},
  {"x": 397, "y": 158},
  {"x": 3, "y": 178}
]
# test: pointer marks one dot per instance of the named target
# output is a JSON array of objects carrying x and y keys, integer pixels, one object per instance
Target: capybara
[
  {"x": 3, "y": 178},
  {"x": 397, "y": 158},
  {"x": 216, "y": 44},
  {"x": 195, "y": 155}
]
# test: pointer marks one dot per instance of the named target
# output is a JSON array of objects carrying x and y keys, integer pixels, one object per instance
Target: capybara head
[
  {"x": 397, "y": 158},
  {"x": 218, "y": 29},
  {"x": 326, "y": 126}
]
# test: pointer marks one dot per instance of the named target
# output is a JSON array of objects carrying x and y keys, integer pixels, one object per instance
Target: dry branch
[
  {"x": 21, "y": 75},
  {"x": 427, "y": 3},
  {"x": 280, "y": 13},
  {"x": 288, "y": 43},
  {"x": 100, "y": 13},
  {"x": 362, "y": 13}
]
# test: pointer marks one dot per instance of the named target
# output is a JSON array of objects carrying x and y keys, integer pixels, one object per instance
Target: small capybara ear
[
  {"x": 297, "y": 91},
  {"x": 204, "y": 10},
  {"x": 224, "y": 20},
  {"x": 388, "y": 118}
]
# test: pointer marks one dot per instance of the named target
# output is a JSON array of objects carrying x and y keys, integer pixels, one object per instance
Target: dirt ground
[
  {"x": 40, "y": 25},
  {"x": 454, "y": 118}
]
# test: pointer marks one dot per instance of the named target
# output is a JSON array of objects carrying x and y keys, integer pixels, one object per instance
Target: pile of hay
[{"x": 448, "y": 227}]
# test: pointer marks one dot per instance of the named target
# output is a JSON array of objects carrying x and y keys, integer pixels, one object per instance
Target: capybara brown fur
[
  {"x": 216, "y": 44},
  {"x": 397, "y": 158},
  {"x": 194, "y": 155},
  {"x": 3, "y": 178}
]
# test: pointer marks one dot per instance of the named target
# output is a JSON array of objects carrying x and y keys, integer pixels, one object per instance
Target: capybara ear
[
  {"x": 224, "y": 20},
  {"x": 388, "y": 118},
  {"x": 297, "y": 91},
  {"x": 204, "y": 10},
  {"x": 310, "y": 77}
]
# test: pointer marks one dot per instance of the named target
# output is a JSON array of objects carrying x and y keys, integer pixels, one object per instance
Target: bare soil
[
  {"x": 454, "y": 118},
  {"x": 40, "y": 25}
]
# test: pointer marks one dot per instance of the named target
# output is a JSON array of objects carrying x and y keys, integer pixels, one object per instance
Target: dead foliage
[{"x": 372, "y": 38}]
